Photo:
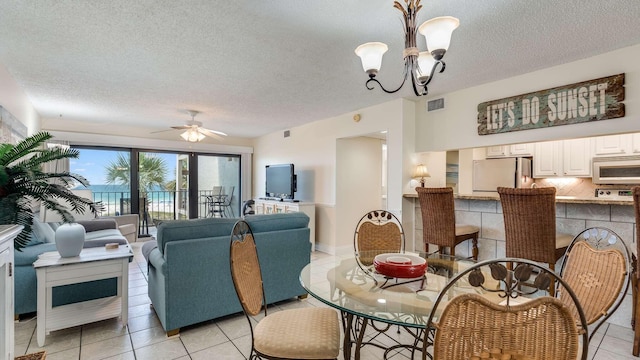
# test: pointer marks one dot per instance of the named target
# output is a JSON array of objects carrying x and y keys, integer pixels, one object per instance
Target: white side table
[
  {"x": 92, "y": 264},
  {"x": 7, "y": 234}
]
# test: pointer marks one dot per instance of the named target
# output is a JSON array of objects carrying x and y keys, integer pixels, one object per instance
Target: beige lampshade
[{"x": 421, "y": 172}]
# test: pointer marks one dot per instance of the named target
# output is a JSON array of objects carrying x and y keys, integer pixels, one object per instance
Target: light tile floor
[{"x": 225, "y": 338}]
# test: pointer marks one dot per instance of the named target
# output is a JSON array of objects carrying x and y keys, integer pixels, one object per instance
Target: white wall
[
  {"x": 312, "y": 148},
  {"x": 455, "y": 126},
  {"x": 14, "y": 99},
  {"x": 358, "y": 165}
]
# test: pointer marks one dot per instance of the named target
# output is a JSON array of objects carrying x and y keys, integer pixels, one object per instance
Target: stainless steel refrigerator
[{"x": 489, "y": 174}]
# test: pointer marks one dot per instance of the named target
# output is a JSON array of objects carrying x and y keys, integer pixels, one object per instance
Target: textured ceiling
[{"x": 254, "y": 67}]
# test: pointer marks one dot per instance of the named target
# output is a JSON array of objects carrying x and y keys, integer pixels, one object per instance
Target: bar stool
[
  {"x": 530, "y": 226},
  {"x": 439, "y": 221}
]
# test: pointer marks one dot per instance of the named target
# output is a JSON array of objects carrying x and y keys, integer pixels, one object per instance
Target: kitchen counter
[{"x": 559, "y": 199}]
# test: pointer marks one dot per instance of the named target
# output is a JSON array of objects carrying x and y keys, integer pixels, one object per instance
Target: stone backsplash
[{"x": 578, "y": 187}]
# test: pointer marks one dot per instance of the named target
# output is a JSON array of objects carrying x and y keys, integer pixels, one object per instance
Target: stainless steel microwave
[{"x": 616, "y": 170}]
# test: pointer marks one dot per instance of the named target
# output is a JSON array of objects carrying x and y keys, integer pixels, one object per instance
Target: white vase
[{"x": 70, "y": 239}]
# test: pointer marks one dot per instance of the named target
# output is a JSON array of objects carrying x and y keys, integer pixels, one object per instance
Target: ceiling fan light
[
  {"x": 371, "y": 56},
  {"x": 425, "y": 64},
  {"x": 192, "y": 135},
  {"x": 437, "y": 32}
]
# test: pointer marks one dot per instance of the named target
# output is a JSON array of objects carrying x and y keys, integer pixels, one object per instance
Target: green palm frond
[{"x": 23, "y": 181}]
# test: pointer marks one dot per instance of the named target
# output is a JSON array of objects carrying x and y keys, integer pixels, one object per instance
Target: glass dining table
[{"x": 367, "y": 299}]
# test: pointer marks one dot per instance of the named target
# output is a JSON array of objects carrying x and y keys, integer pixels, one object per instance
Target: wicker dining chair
[
  {"x": 439, "y": 223},
  {"x": 635, "y": 278},
  {"x": 530, "y": 225},
  {"x": 305, "y": 333},
  {"x": 377, "y": 232},
  {"x": 597, "y": 267},
  {"x": 503, "y": 321}
]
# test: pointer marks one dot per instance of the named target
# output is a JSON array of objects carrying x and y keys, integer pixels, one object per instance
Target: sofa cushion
[
  {"x": 104, "y": 234},
  {"x": 127, "y": 229},
  {"x": 98, "y": 224},
  {"x": 29, "y": 254},
  {"x": 177, "y": 230},
  {"x": 276, "y": 222},
  {"x": 43, "y": 231}
]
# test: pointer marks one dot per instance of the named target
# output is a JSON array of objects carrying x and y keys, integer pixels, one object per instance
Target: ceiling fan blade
[
  {"x": 210, "y": 133},
  {"x": 215, "y": 132},
  {"x": 183, "y": 127},
  {"x": 160, "y": 131}
]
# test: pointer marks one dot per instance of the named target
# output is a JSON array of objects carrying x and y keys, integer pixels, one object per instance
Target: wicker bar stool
[
  {"x": 439, "y": 221},
  {"x": 530, "y": 225}
]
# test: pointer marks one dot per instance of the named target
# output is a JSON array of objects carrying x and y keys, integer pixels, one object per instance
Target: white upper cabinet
[
  {"x": 562, "y": 158},
  {"x": 547, "y": 160},
  {"x": 510, "y": 150},
  {"x": 577, "y": 157},
  {"x": 612, "y": 145}
]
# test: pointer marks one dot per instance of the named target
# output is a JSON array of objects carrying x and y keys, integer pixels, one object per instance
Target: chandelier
[{"x": 419, "y": 65}]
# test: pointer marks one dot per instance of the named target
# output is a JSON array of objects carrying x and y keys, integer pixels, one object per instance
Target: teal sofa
[
  {"x": 98, "y": 233},
  {"x": 189, "y": 276}
]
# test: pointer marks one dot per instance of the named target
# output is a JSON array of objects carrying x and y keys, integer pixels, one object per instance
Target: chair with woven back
[
  {"x": 496, "y": 318},
  {"x": 530, "y": 225},
  {"x": 597, "y": 267},
  {"x": 302, "y": 333},
  {"x": 635, "y": 290},
  {"x": 439, "y": 222},
  {"x": 377, "y": 232}
]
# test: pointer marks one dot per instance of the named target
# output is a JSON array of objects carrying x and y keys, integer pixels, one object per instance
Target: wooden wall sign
[{"x": 592, "y": 100}]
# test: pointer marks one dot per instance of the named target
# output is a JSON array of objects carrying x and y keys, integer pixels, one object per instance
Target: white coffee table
[{"x": 92, "y": 264}]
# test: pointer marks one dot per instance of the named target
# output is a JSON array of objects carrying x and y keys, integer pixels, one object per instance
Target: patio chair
[
  {"x": 494, "y": 318},
  {"x": 304, "y": 333},
  {"x": 597, "y": 267},
  {"x": 439, "y": 221},
  {"x": 377, "y": 232}
]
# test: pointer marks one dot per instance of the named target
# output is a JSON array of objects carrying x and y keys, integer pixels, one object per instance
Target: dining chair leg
[{"x": 474, "y": 250}]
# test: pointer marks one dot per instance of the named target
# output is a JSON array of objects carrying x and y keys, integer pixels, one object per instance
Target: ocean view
[{"x": 116, "y": 198}]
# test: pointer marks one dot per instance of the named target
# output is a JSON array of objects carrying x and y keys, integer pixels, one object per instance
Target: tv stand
[{"x": 277, "y": 206}]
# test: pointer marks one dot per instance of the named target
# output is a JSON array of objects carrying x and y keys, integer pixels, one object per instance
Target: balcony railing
[{"x": 156, "y": 205}]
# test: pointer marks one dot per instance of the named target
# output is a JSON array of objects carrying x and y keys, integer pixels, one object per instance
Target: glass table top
[{"x": 341, "y": 282}]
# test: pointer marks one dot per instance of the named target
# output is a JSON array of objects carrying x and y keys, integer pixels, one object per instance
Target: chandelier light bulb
[
  {"x": 437, "y": 32},
  {"x": 371, "y": 56},
  {"x": 426, "y": 62}
]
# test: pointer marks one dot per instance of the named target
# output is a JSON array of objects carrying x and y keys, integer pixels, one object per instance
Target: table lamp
[{"x": 421, "y": 172}]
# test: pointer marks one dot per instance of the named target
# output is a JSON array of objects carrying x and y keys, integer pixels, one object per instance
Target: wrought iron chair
[
  {"x": 439, "y": 221},
  {"x": 497, "y": 319},
  {"x": 597, "y": 267},
  {"x": 530, "y": 225},
  {"x": 377, "y": 232},
  {"x": 306, "y": 333}
]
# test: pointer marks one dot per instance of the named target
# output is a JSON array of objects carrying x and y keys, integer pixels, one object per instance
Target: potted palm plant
[{"x": 24, "y": 183}]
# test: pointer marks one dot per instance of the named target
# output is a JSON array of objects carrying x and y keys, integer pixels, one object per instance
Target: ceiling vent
[{"x": 435, "y": 104}]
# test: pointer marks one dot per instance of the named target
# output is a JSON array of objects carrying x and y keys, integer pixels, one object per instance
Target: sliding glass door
[{"x": 167, "y": 185}]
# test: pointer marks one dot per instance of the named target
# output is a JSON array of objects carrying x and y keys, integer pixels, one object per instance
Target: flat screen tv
[{"x": 281, "y": 181}]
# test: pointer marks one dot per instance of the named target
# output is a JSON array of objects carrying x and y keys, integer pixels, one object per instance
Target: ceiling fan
[{"x": 194, "y": 130}]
